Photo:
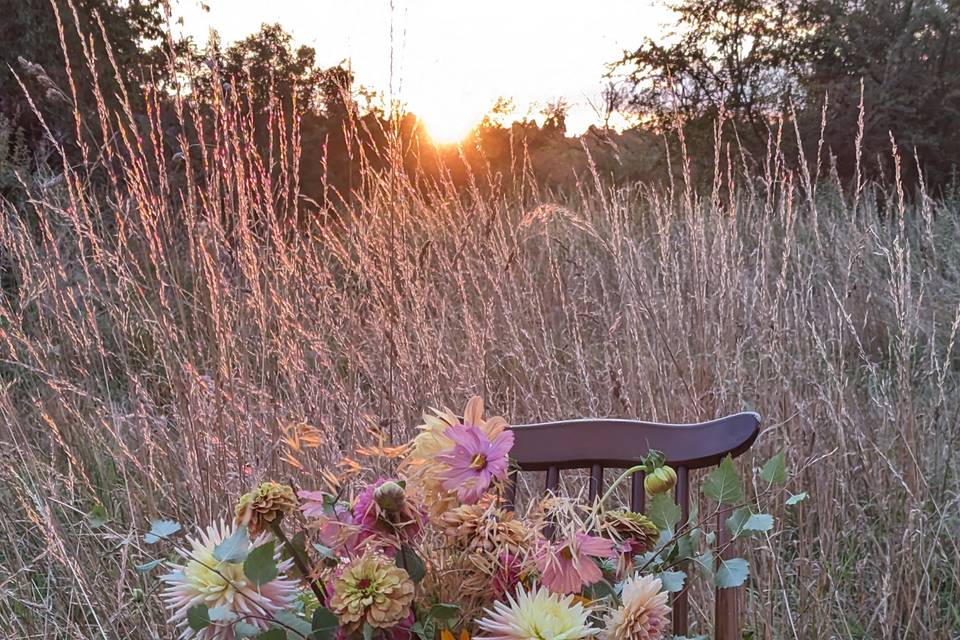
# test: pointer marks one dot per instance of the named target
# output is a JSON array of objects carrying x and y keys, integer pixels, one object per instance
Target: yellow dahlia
[
  {"x": 204, "y": 580},
  {"x": 372, "y": 590},
  {"x": 537, "y": 615},
  {"x": 644, "y": 614},
  {"x": 422, "y": 468},
  {"x": 269, "y": 502}
]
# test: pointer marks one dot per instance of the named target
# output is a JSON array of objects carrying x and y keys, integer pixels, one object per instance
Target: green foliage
[
  {"x": 97, "y": 517},
  {"x": 323, "y": 624},
  {"x": 663, "y": 511},
  {"x": 147, "y": 567},
  {"x": 723, "y": 483},
  {"x": 796, "y": 499},
  {"x": 672, "y": 581},
  {"x": 235, "y": 548},
  {"x": 775, "y": 469},
  {"x": 412, "y": 563},
  {"x": 198, "y": 617},
  {"x": 444, "y": 611},
  {"x": 160, "y": 530},
  {"x": 732, "y": 573},
  {"x": 260, "y": 566},
  {"x": 742, "y": 521}
]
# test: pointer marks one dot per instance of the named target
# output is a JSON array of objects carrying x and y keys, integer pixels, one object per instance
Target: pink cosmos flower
[
  {"x": 474, "y": 461},
  {"x": 567, "y": 566}
]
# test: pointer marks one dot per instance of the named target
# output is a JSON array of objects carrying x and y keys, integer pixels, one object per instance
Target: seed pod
[
  {"x": 390, "y": 497},
  {"x": 660, "y": 480}
]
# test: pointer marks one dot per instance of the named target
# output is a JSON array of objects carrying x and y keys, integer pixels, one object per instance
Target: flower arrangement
[{"x": 435, "y": 552}]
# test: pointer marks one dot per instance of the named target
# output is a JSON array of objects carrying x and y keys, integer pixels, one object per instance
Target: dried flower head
[
  {"x": 634, "y": 532},
  {"x": 267, "y": 503}
]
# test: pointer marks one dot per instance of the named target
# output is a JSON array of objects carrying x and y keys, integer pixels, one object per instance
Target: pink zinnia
[
  {"x": 568, "y": 566},
  {"x": 474, "y": 461}
]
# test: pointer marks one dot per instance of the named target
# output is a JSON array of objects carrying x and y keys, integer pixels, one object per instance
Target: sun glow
[{"x": 447, "y": 125}]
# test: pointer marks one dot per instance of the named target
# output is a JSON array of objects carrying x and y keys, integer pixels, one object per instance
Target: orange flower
[{"x": 446, "y": 634}]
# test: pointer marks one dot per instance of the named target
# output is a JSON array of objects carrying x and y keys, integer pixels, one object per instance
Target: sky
[{"x": 449, "y": 60}]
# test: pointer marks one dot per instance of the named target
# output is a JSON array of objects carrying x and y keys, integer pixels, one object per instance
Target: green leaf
[
  {"x": 444, "y": 611},
  {"x": 160, "y": 530},
  {"x": 672, "y": 581},
  {"x": 663, "y": 511},
  {"x": 408, "y": 560},
  {"x": 705, "y": 563},
  {"x": 273, "y": 634},
  {"x": 723, "y": 483},
  {"x": 260, "y": 566},
  {"x": 295, "y": 622},
  {"x": 600, "y": 590},
  {"x": 97, "y": 516},
  {"x": 235, "y": 548},
  {"x": 324, "y": 624},
  {"x": 299, "y": 545},
  {"x": 775, "y": 470},
  {"x": 243, "y": 630},
  {"x": 367, "y": 631},
  {"x": 732, "y": 573},
  {"x": 221, "y": 614},
  {"x": 424, "y": 631},
  {"x": 147, "y": 567},
  {"x": 742, "y": 522},
  {"x": 198, "y": 617},
  {"x": 797, "y": 499}
]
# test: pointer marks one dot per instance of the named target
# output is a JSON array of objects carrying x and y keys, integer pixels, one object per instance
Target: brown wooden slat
[
  {"x": 596, "y": 481},
  {"x": 553, "y": 478},
  {"x": 681, "y": 600},
  {"x": 638, "y": 495},
  {"x": 573, "y": 444},
  {"x": 726, "y": 614}
]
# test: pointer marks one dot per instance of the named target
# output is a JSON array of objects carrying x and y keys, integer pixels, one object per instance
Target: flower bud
[
  {"x": 390, "y": 497},
  {"x": 660, "y": 480}
]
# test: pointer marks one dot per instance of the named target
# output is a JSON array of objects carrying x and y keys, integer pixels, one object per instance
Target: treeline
[{"x": 847, "y": 77}]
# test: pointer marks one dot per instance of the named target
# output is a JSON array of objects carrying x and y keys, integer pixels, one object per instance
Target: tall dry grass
[{"x": 166, "y": 325}]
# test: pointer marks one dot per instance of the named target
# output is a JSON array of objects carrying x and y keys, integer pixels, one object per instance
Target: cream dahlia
[
  {"x": 537, "y": 615},
  {"x": 644, "y": 614},
  {"x": 204, "y": 580}
]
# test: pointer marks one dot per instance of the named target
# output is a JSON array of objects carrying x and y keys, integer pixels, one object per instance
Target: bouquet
[{"x": 435, "y": 552}]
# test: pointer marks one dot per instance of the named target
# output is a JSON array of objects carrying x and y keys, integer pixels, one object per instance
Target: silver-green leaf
[
  {"x": 235, "y": 548},
  {"x": 160, "y": 530},
  {"x": 723, "y": 483},
  {"x": 732, "y": 573},
  {"x": 260, "y": 566}
]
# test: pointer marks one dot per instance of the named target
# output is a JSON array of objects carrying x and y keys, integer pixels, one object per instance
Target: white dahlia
[
  {"x": 204, "y": 580},
  {"x": 537, "y": 615}
]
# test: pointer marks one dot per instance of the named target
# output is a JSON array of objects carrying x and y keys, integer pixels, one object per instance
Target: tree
[
  {"x": 736, "y": 56},
  {"x": 29, "y": 32}
]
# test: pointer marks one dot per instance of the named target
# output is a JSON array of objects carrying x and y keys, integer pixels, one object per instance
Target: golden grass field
[{"x": 167, "y": 329}]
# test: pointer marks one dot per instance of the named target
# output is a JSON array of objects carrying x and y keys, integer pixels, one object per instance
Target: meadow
[{"x": 179, "y": 324}]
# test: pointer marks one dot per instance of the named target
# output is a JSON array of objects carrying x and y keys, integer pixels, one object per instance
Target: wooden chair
[{"x": 597, "y": 444}]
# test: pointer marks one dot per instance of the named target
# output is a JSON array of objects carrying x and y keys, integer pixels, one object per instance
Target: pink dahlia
[
  {"x": 336, "y": 527},
  {"x": 402, "y": 519},
  {"x": 217, "y": 584},
  {"x": 568, "y": 566},
  {"x": 474, "y": 461}
]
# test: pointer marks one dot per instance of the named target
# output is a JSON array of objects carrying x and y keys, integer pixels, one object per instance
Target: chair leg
[{"x": 726, "y": 614}]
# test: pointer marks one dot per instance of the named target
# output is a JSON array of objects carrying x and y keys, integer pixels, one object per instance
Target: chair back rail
[{"x": 598, "y": 444}]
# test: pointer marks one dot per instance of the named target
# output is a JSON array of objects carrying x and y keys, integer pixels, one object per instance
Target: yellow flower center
[{"x": 478, "y": 462}]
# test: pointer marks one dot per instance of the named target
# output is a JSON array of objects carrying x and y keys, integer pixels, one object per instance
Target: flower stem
[{"x": 299, "y": 559}]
